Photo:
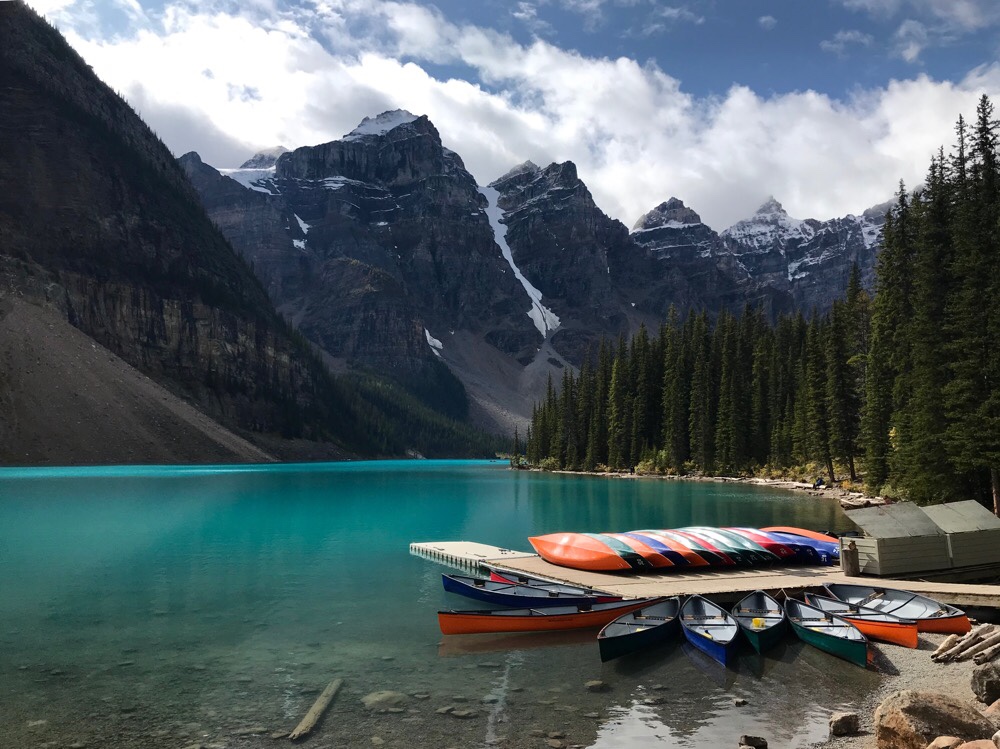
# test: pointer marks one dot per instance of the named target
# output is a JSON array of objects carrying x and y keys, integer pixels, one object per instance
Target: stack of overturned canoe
[
  {"x": 687, "y": 548},
  {"x": 839, "y": 622}
]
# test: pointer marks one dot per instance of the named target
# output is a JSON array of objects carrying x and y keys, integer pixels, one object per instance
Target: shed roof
[
  {"x": 957, "y": 517},
  {"x": 900, "y": 520}
]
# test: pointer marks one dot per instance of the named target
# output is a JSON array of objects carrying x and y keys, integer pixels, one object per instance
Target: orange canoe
[
  {"x": 646, "y": 551},
  {"x": 579, "y": 551},
  {"x": 690, "y": 556},
  {"x": 537, "y": 620},
  {"x": 803, "y": 532},
  {"x": 872, "y": 623}
]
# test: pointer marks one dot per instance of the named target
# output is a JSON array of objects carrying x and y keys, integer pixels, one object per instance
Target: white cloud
[
  {"x": 680, "y": 13},
  {"x": 910, "y": 40},
  {"x": 842, "y": 39},
  {"x": 527, "y": 14},
  {"x": 220, "y": 82},
  {"x": 767, "y": 22},
  {"x": 956, "y": 15}
]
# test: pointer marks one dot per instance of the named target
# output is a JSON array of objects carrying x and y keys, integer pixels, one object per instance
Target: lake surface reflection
[{"x": 166, "y": 607}]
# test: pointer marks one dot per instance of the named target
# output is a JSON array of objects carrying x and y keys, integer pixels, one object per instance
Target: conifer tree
[
  {"x": 701, "y": 416},
  {"x": 971, "y": 395}
]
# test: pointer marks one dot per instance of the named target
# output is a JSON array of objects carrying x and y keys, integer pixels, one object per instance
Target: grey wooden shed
[
  {"x": 973, "y": 532},
  {"x": 900, "y": 539}
]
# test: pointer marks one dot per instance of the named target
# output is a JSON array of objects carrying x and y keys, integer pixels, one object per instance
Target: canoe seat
[{"x": 871, "y": 597}]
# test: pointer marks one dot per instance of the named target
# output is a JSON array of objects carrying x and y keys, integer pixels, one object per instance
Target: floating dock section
[{"x": 466, "y": 554}]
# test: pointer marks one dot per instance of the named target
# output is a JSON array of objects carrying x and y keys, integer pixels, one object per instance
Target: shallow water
[{"x": 152, "y": 607}]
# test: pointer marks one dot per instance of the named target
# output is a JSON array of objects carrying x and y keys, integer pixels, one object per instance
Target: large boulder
[
  {"x": 986, "y": 683},
  {"x": 912, "y": 720},
  {"x": 843, "y": 724},
  {"x": 945, "y": 742}
]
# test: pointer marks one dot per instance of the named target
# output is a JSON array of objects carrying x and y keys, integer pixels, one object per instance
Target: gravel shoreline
[
  {"x": 904, "y": 668},
  {"x": 848, "y": 500}
]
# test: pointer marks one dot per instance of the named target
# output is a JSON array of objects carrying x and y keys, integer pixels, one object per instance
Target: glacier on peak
[{"x": 381, "y": 124}]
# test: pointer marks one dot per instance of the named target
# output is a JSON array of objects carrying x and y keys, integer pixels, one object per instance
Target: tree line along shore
[{"x": 897, "y": 391}]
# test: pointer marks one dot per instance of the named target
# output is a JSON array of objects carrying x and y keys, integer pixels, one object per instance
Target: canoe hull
[
  {"x": 853, "y": 648},
  {"x": 902, "y": 603},
  {"x": 479, "y": 622},
  {"x": 873, "y": 624},
  {"x": 720, "y": 648},
  {"x": 578, "y": 551},
  {"x": 855, "y": 652},
  {"x": 512, "y": 594},
  {"x": 522, "y": 579},
  {"x": 639, "y": 638},
  {"x": 762, "y": 620}
]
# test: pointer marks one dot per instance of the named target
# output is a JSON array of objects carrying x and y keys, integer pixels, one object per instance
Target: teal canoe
[
  {"x": 827, "y": 632},
  {"x": 762, "y": 620}
]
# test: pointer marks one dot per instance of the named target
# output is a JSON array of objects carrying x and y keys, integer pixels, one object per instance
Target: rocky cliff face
[
  {"x": 382, "y": 250},
  {"x": 97, "y": 220},
  {"x": 375, "y": 246},
  {"x": 810, "y": 260}
]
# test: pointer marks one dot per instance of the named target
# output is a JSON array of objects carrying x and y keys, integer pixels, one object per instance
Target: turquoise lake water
[{"x": 165, "y": 607}]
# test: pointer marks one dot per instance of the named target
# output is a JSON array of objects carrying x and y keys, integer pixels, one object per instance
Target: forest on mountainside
[{"x": 900, "y": 389}]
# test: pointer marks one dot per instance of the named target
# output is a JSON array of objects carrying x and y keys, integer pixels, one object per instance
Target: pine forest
[{"x": 899, "y": 389}]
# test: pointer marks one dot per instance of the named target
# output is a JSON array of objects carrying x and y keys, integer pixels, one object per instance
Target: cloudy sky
[{"x": 824, "y": 104}]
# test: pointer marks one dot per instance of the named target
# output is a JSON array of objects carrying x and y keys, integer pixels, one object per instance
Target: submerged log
[{"x": 316, "y": 711}]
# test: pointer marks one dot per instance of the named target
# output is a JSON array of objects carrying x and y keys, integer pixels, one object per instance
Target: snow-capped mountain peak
[
  {"x": 771, "y": 207},
  {"x": 264, "y": 159},
  {"x": 769, "y": 227},
  {"x": 672, "y": 213},
  {"x": 381, "y": 124}
]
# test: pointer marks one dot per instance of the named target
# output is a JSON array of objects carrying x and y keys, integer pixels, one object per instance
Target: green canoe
[
  {"x": 762, "y": 620},
  {"x": 827, "y": 632}
]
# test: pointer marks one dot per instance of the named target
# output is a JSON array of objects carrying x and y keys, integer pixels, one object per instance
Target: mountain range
[
  {"x": 360, "y": 297},
  {"x": 381, "y": 248}
]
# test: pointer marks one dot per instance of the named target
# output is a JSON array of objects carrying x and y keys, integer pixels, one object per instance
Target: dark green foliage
[
  {"x": 728, "y": 399},
  {"x": 396, "y": 423},
  {"x": 908, "y": 379}
]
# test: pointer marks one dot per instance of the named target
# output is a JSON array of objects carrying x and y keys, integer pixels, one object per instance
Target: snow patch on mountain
[
  {"x": 528, "y": 167},
  {"x": 302, "y": 224},
  {"x": 380, "y": 124},
  {"x": 768, "y": 228},
  {"x": 264, "y": 158},
  {"x": 545, "y": 319},
  {"x": 260, "y": 180},
  {"x": 436, "y": 346}
]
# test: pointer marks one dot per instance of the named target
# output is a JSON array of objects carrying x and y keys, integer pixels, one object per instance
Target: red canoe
[{"x": 803, "y": 532}]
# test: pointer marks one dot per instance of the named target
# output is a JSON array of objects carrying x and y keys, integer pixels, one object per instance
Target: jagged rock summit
[
  {"x": 381, "y": 124},
  {"x": 673, "y": 213},
  {"x": 264, "y": 159}
]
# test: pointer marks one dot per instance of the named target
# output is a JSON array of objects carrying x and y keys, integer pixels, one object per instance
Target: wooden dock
[{"x": 725, "y": 586}]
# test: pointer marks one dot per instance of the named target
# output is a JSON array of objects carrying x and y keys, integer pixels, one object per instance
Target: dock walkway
[{"x": 724, "y": 586}]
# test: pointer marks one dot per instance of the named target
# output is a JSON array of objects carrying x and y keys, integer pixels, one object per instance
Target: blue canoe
[
  {"x": 805, "y": 552},
  {"x": 828, "y": 552},
  {"x": 512, "y": 594},
  {"x": 709, "y": 628}
]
